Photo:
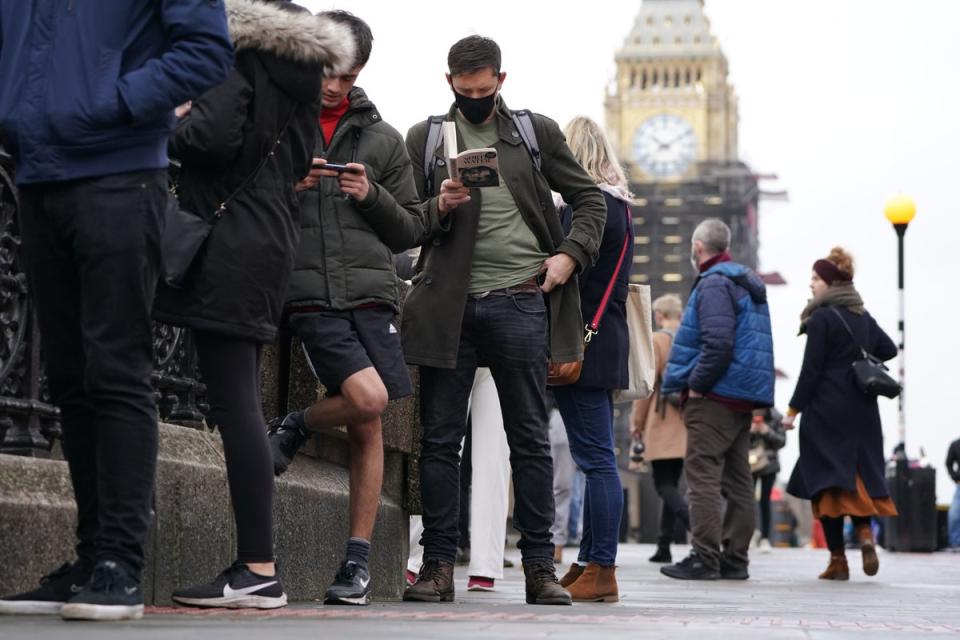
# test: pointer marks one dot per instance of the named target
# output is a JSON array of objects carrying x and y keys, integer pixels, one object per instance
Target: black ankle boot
[{"x": 662, "y": 556}]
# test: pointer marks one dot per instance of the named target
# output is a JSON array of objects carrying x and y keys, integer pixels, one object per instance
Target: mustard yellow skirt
[{"x": 836, "y": 503}]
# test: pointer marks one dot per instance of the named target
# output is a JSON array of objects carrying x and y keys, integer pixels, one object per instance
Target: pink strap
[{"x": 594, "y": 327}]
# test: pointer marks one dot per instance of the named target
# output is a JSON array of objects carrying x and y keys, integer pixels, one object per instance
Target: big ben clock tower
[{"x": 672, "y": 116}]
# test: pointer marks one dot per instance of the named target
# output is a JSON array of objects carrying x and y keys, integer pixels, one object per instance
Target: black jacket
[
  {"x": 346, "y": 250},
  {"x": 606, "y": 358},
  {"x": 953, "y": 461},
  {"x": 773, "y": 440},
  {"x": 237, "y": 288},
  {"x": 840, "y": 431}
]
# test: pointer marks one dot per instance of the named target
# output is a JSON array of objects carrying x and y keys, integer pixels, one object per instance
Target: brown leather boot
[
  {"x": 837, "y": 569},
  {"x": 434, "y": 584},
  {"x": 597, "y": 584},
  {"x": 574, "y": 572},
  {"x": 868, "y": 550},
  {"x": 542, "y": 585}
]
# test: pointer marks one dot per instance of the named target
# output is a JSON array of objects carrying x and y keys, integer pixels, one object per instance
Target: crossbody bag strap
[
  {"x": 846, "y": 326},
  {"x": 594, "y": 326},
  {"x": 256, "y": 172}
]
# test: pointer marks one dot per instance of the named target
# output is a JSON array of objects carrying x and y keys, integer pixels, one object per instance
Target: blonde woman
[{"x": 587, "y": 406}]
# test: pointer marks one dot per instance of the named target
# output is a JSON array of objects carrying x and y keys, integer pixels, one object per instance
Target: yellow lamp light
[{"x": 900, "y": 210}]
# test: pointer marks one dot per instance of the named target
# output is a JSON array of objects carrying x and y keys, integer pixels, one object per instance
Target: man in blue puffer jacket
[
  {"x": 722, "y": 360},
  {"x": 87, "y": 93}
]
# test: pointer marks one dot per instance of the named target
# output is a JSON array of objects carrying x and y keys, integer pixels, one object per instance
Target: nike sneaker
[
  {"x": 113, "y": 593},
  {"x": 286, "y": 436},
  {"x": 236, "y": 588},
  {"x": 54, "y": 590},
  {"x": 350, "y": 586}
]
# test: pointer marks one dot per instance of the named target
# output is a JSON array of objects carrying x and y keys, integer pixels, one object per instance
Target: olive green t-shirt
[{"x": 506, "y": 252}]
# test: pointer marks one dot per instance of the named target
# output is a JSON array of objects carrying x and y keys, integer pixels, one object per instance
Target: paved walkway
[{"x": 914, "y": 596}]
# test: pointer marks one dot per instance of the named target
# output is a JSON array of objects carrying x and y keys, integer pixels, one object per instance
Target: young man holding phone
[{"x": 359, "y": 206}]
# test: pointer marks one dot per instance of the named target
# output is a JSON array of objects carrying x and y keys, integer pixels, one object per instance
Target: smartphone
[{"x": 339, "y": 168}]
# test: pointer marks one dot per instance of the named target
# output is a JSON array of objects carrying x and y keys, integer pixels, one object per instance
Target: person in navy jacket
[
  {"x": 87, "y": 97},
  {"x": 587, "y": 405},
  {"x": 722, "y": 361},
  {"x": 841, "y": 468}
]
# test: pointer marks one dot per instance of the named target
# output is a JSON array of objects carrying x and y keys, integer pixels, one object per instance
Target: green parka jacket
[
  {"x": 434, "y": 307},
  {"x": 346, "y": 249}
]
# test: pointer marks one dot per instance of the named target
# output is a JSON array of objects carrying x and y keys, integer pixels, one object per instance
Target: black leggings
[
  {"x": 833, "y": 530},
  {"x": 666, "y": 479},
  {"x": 231, "y": 371},
  {"x": 766, "y": 487}
]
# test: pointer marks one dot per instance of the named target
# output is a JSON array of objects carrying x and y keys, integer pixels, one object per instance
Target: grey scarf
[{"x": 841, "y": 294}]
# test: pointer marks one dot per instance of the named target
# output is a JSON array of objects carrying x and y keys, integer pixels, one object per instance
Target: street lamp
[{"x": 900, "y": 211}]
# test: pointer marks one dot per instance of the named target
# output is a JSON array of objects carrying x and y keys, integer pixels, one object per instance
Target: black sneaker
[
  {"x": 351, "y": 586},
  {"x": 55, "y": 589},
  {"x": 286, "y": 437},
  {"x": 113, "y": 593},
  {"x": 730, "y": 570},
  {"x": 690, "y": 568},
  {"x": 236, "y": 588}
]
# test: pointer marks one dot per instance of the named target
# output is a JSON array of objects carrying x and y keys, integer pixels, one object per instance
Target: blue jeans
[
  {"x": 588, "y": 416},
  {"x": 953, "y": 519},
  {"x": 508, "y": 334}
]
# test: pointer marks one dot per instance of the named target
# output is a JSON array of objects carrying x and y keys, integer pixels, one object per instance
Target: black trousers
[
  {"x": 666, "y": 479},
  {"x": 833, "y": 530},
  {"x": 509, "y": 335},
  {"x": 92, "y": 252},
  {"x": 231, "y": 371},
  {"x": 766, "y": 488}
]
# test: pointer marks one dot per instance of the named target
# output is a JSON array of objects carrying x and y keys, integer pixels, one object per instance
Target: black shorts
[{"x": 338, "y": 344}]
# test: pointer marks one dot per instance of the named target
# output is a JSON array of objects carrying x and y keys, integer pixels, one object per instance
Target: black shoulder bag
[
  {"x": 871, "y": 374},
  {"x": 186, "y": 232}
]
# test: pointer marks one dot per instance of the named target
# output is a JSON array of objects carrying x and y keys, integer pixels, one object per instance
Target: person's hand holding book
[{"x": 452, "y": 195}]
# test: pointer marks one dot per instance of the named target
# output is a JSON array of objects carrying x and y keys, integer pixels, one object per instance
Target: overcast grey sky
[{"x": 848, "y": 101}]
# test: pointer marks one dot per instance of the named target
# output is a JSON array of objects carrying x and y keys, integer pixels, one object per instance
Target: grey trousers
[
  {"x": 564, "y": 471},
  {"x": 717, "y": 467}
]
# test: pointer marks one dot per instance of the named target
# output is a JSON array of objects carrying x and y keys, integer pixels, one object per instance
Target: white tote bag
[{"x": 641, "y": 360}]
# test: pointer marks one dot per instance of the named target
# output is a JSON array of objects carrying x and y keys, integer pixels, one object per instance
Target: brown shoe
[
  {"x": 868, "y": 550},
  {"x": 434, "y": 584},
  {"x": 597, "y": 584},
  {"x": 542, "y": 585},
  {"x": 574, "y": 572},
  {"x": 837, "y": 569}
]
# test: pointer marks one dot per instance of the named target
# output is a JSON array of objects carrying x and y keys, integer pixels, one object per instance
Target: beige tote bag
[{"x": 642, "y": 360}]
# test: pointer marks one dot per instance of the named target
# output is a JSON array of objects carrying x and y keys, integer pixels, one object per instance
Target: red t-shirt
[{"x": 330, "y": 118}]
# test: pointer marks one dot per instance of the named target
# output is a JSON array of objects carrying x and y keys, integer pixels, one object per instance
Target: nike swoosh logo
[
  {"x": 130, "y": 590},
  {"x": 364, "y": 583},
  {"x": 76, "y": 588},
  {"x": 229, "y": 592}
]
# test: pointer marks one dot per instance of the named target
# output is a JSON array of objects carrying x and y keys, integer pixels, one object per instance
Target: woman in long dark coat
[
  {"x": 841, "y": 465},
  {"x": 259, "y": 123},
  {"x": 587, "y": 406}
]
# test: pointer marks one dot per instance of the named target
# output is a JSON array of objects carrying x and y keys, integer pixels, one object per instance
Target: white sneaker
[{"x": 765, "y": 546}]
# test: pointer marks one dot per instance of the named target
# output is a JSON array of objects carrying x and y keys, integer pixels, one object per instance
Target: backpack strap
[
  {"x": 523, "y": 120},
  {"x": 434, "y": 140}
]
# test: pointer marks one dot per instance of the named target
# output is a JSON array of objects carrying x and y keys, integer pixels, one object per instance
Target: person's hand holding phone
[
  {"x": 353, "y": 181},
  {"x": 313, "y": 177}
]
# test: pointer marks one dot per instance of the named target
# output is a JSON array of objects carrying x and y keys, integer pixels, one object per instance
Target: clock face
[{"x": 664, "y": 146}]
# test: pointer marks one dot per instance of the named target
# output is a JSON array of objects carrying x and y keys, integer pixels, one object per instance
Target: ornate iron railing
[{"x": 29, "y": 423}]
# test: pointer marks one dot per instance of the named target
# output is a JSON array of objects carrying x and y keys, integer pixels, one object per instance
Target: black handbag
[
  {"x": 871, "y": 374},
  {"x": 186, "y": 232}
]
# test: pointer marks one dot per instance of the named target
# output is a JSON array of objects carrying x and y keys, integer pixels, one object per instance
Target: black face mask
[{"x": 476, "y": 110}]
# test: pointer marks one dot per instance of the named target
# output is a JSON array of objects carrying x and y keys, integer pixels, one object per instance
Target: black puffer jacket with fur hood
[{"x": 238, "y": 284}]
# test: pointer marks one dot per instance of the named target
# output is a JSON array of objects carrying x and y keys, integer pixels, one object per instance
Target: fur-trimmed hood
[{"x": 297, "y": 36}]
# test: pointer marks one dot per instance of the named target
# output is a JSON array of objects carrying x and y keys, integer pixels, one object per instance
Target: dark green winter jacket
[{"x": 346, "y": 250}]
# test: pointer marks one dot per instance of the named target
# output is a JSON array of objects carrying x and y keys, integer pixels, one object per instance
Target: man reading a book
[{"x": 494, "y": 289}]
